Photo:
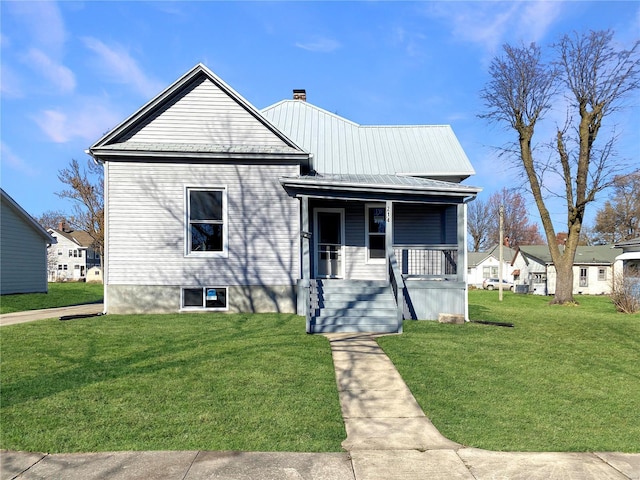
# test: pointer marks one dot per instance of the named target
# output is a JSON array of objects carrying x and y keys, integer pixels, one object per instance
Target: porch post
[
  {"x": 306, "y": 251},
  {"x": 388, "y": 230},
  {"x": 462, "y": 255},
  {"x": 304, "y": 303}
]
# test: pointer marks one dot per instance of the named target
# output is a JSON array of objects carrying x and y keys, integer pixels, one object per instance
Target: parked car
[{"x": 493, "y": 283}]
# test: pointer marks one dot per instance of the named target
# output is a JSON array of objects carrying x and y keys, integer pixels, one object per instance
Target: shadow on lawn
[{"x": 106, "y": 351}]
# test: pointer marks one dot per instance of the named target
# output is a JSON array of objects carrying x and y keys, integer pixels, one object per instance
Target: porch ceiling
[{"x": 379, "y": 187}]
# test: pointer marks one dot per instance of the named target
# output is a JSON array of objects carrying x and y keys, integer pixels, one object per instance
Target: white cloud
[
  {"x": 58, "y": 74},
  {"x": 10, "y": 84},
  {"x": 490, "y": 24},
  {"x": 14, "y": 162},
  {"x": 117, "y": 64},
  {"x": 536, "y": 19},
  {"x": 44, "y": 23},
  {"x": 87, "y": 120},
  {"x": 320, "y": 44}
]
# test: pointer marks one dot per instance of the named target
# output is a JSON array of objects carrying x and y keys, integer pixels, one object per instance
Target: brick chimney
[
  {"x": 63, "y": 226},
  {"x": 300, "y": 95}
]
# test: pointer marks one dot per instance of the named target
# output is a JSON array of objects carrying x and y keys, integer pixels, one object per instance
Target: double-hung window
[{"x": 206, "y": 221}]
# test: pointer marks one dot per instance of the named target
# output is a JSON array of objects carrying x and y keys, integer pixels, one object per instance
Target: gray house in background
[
  {"x": 23, "y": 250},
  {"x": 212, "y": 205}
]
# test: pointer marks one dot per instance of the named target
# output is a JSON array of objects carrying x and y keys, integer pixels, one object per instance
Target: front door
[{"x": 329, "y": 243}]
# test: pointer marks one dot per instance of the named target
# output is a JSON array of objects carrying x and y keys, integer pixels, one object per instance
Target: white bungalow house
[
  {"x": 213, "y": 205},
  {"x": 483, "y": 265},
  {"x": 593, "y": 269},
  {"x": 71, "y": 258},
  {"x": 23, "y": 250}
]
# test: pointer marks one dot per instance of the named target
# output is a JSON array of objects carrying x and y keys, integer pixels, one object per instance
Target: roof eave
[
  {"x": 392, "y": 189},
  {"x": 110, "y": 154}
]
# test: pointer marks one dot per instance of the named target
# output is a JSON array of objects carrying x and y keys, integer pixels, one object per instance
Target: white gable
[{"x": 203, "y": 114}]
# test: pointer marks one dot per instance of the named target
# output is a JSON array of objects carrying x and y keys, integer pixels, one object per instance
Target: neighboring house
[
  {"x": 483, "y": 265},
  {"x": 214, "y": 205},
  {"x": 593, "y": 269},
  {"x": 23, "y": 250},
  {"x": 628, "y": 262},
  {"x": 73, "y": 255}
]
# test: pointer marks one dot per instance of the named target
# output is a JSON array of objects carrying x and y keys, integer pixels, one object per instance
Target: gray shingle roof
[
  {"x": 341, "y": 146},
  {"x": 595, "y": 255}
]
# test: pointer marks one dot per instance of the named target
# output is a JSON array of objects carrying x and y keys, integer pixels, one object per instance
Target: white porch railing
[{"x": 435, "y": 261}]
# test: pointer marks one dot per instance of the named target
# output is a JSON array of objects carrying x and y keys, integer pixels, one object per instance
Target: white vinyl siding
[
  {"x": 146, "y": 225},
  {"x": 204, "y": 114},
  {"x": 23, "y": 255}
]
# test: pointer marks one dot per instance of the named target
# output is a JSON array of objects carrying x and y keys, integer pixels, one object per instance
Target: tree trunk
[{"x": 564, "y": 281}]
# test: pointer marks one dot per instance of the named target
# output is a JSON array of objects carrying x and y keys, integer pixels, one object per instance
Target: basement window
[{"x": 204, "y": 298}]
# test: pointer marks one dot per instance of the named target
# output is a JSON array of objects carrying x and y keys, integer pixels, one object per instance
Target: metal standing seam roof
[
  {"x": 399, "y": 182},
  {"x": 340, "y": 146}
]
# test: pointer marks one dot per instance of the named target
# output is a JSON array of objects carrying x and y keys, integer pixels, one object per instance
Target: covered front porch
[{"x": 376, "y": 250}]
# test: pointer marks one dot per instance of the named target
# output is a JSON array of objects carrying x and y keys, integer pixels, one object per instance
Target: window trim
[
  {"x": 367, "y": 233},
  {"x": 224, "y": 253},
  {"x": 583, "y": 279},
  {"x": 203, "y": 308}
]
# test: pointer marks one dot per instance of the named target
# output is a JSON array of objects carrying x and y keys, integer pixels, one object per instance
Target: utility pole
[{"x": 500, "y": 255}]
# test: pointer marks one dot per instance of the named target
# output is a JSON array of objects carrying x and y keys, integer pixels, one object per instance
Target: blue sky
[{"x": 71, "y": 71}]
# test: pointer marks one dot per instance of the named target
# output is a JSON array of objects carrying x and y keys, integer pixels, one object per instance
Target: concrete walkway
[
  {"x": 33, "y": 315},
  {"x": 388, "y": 437}
]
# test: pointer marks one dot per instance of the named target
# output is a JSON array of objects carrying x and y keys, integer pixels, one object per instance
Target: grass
[
  {"x": 60, "y": 295},
  {"x": 168, "y": 382},
  {"x": 564, "y": 379}
]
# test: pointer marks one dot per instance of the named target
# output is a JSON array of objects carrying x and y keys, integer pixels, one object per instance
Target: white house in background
[
  {"x": 72, "y": 256},
  {"x": 593, "y": 269},
  {"x": 211, "y": 204},
  {"x": 628, "y": 261},
  {"x": 483, "y": 265},
  {"x": 23, "y": 250}
]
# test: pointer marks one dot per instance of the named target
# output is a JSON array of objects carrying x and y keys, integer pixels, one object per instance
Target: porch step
[{"x": 354, "y": 306}]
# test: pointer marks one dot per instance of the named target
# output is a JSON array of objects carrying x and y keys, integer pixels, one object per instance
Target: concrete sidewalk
[
  {"x": 388, "y": 437},
  {"x": 33, "y": 315}
]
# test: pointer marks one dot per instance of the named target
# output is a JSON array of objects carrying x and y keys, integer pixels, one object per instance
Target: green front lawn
[
  {"x": 168, "y": 382},
  {"x": 60, "y": 295},
  {"x": 563, "y": 379}
]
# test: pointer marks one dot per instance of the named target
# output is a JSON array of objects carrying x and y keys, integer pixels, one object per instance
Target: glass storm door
[{"x": 329, "y": 243}]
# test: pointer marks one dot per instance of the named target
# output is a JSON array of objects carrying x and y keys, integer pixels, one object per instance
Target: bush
[{"x": 625, "y": 292}]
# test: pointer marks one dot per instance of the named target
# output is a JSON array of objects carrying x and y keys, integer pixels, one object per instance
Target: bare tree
[
  {"x": 479, "y": 224},
  {"x": 596, "y": 77},
  {"x": 518, "y": 229},
  {"x": 483, "y": 221},
  {"x": 619, "y": 218},
  {"x": 51, "y": 218},
  {"x": 86, "y": 189}
]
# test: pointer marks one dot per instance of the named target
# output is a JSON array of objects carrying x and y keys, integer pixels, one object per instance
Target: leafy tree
[
  {"x": 595, "y": 77},
  {"x": 86, "y": 190},
  {"x": 619, "y": 218}
]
